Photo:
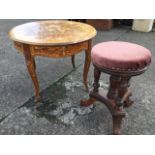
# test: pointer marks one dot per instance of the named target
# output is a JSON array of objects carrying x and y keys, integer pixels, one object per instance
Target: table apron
[{"x": 54, "y": 51}]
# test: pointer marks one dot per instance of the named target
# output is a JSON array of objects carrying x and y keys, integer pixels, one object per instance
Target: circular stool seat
[{"x": 123, "y": 56}]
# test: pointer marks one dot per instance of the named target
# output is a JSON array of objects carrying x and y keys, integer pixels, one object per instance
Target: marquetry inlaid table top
[{"x": 52, "y": 32}]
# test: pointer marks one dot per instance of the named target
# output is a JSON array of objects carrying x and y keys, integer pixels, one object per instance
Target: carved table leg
[
  {"x": 73, "y": 61},
  {"x": 87, "y": 65},
  {"x": 96, "y": 85},
  {"x": 30, "y": 63}
]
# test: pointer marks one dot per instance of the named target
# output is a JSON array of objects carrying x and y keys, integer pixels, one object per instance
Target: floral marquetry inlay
[{"x": 52, "y": 32}]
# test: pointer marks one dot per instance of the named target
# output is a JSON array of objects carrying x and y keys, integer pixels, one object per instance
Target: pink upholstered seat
[{"x": 120, "y": 55}]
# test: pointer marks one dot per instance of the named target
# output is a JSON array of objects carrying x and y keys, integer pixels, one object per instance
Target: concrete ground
[{"x": 62, "y": 89}]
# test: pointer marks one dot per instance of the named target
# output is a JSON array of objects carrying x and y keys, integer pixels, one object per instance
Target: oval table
[{"x": 53, "y": 38}]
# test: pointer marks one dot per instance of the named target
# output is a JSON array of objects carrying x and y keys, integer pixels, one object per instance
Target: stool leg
[
  {"x": 113, "y": 87},
  {"x": 117, "y": 122},
  {"x": 123, "y": 92},
  {"x": 116, "y": 111},
  {"x": 96, "y": 85},
  {"x": 91, "y": 100}
]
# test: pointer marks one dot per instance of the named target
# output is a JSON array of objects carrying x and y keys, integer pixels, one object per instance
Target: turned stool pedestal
[{"x": 121, "y": 60}]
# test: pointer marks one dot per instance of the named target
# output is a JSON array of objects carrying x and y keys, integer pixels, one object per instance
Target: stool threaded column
[{"x": 97, "y": 74}]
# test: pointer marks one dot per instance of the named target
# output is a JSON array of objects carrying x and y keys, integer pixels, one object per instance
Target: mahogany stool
[{"x": 121, "y": 60}]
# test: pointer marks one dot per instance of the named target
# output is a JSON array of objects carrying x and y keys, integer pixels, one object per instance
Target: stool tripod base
[{"x": 117, "y": 112}]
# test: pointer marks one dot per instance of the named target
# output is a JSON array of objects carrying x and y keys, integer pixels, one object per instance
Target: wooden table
[{"x": 53, "y": 38}]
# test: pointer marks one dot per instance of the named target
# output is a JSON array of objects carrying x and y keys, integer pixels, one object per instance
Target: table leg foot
[
  {"x": 87, "y": 102},
  {"x": 37, "y": 99}
]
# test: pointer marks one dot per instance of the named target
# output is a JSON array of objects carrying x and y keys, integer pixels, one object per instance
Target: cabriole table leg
[
  {"x": 30, "y": 63},
  {"x": 87, "y": 65}
]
